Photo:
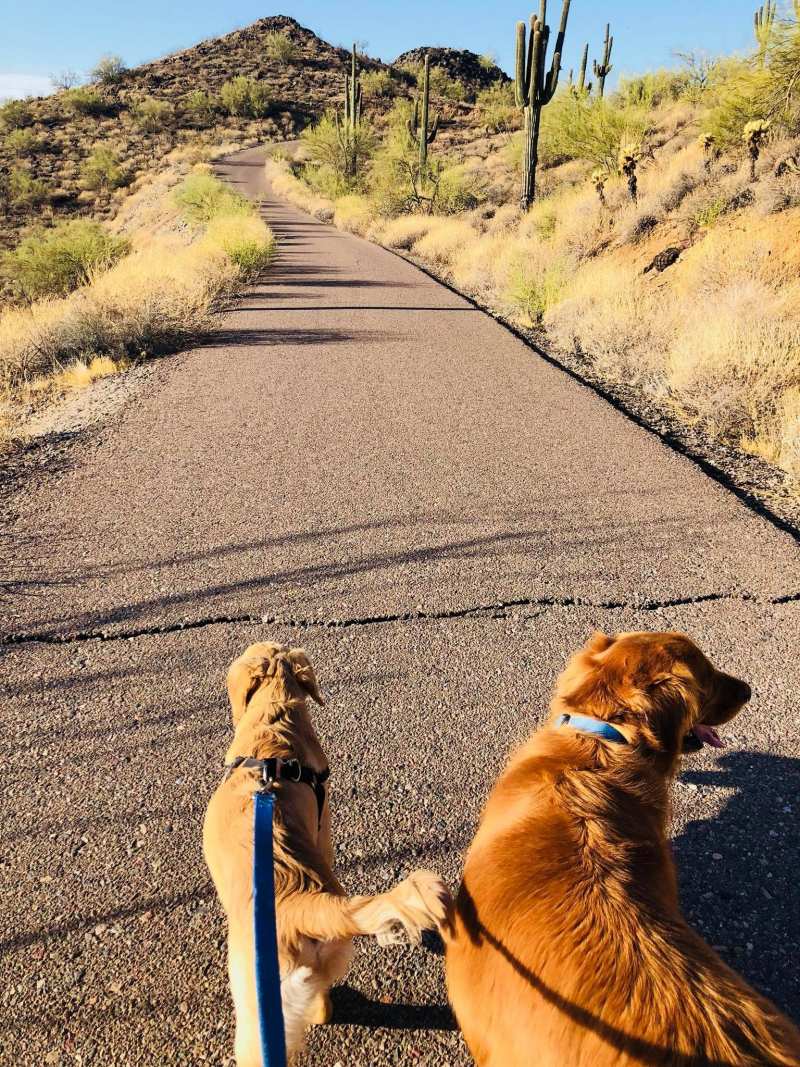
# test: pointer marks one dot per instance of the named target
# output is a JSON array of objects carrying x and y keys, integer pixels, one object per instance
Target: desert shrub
[
  {"x": 297, "y": 192},
  {"x": 533, "y": 286},
  {"x": 244, "y": 239},
  {"x": 83, "y": 101},
  {"x": 65, "y": 79},
  {"x": 202, "y": 197},
  {"x": 14, "y": 114},
  {"x": 245, "y": 97},
  {"x": 22, "y": 142},
  {"x": 199, "y": 107},
  {"x": 280, "y": 47},
  {"x": 152, "y": 115},
  {"x": 377, "y": 83},
  {"x": 457, "y": 189},
  {"x": 109, "y": 70},
  {"x": 653, "y": 89},
  {"x": 738, "y": 94},
  {"x": 589, "y": 128},
  {"x": 102, "y": 170},
  {"x": 444, "y": 241},
  {"x": 782, "y": 96},
  {"x": 405, "y": 231},
  {"x": 498, "y": 109},
  {"x": 56, "y": 261},
  {"x": 24, "y": 190},
  {"x": 156, "y": 299},
  {"x": 441, "y": 84},
  {"x": 488, "y": 60},
  {"x": 328, "y": 154},
  {"x": 354, "y": 213}
]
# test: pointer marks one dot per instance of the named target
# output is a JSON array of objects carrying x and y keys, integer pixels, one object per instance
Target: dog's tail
[{"x": 418, "y": 903}]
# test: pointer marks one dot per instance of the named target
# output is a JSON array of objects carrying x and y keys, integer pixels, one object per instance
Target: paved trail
[{"x": 380, "y": 472}]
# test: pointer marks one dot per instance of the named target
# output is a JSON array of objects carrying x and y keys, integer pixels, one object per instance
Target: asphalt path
[{"x": 360, "y": 462}]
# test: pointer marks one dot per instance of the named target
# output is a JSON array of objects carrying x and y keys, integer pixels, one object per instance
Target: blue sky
[{"x": 44, "y": 36}]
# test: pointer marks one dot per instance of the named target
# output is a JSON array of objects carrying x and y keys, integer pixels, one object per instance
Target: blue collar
[{"x": 588, "y": 725}]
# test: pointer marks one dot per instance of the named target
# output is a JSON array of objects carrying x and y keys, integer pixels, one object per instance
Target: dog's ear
[
  {"x": 247, "y": 673},
  {"x": 304, "y": 673},
  {"x": 598, "y": 642}
]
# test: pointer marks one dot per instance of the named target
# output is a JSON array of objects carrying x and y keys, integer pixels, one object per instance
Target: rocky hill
[
  {"x": 78, "y": 151},
  {"x": 473, "y": 71}
]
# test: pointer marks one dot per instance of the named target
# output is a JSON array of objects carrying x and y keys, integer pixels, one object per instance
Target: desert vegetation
[
  {"x": 94, "y": 298},
  {"x": 652, "y": 232}
]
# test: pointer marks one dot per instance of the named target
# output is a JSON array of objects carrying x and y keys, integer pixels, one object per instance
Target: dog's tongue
[{"x": 708, "y": 735}]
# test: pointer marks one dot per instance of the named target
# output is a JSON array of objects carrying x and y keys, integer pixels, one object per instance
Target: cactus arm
[
  {"x": 520, "y": 78},
  {"x": 552, "y": 77},
  {"x": 582, "y": 71}
]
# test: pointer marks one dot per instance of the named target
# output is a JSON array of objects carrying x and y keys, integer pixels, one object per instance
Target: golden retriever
[
  {"x": 566, "y": 946},
  {"x": 268, "y": 686}
]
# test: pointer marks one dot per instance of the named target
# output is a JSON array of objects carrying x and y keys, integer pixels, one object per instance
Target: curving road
[{"x": 359, "y": 461}]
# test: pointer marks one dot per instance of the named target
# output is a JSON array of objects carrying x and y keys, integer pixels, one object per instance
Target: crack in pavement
[{"x": 494, "y": 610}]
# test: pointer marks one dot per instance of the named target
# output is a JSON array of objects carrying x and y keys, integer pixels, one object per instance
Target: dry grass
[
  {"x": 157, "y": 299},
  {"x": 285, "y": 185}
]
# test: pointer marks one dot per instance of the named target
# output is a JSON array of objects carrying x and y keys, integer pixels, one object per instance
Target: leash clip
[{"x": 267, "y": 779}]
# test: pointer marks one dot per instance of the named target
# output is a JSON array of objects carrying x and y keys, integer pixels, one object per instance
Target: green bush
[
  {"x": 377, "y": 83},
  {"x": 280, "y": 47},
  {"x": 24, "y": 190},
  {"x": 83, "y": 101},
  {"x": 498, "y": 109},
  {"x": 457, "y": 190},
  {"x": 740, "y": 94},
  {"x": 443, "y": 85},
  {"x": 245, "y": 97},
  {"x": 152, "y": 115},
  {"x": 109, "y": 70},
  {"x": 22, "y": 143},
  {"x": 202, "y": 197},
  {"x": 102, "y": 170},
  {"x": 652, "y": 89},
  {"x": 54, "y": 262},
  {"x": 199, "y": 107},
  {"x": 14, "y": 114},
  {"x": 327, "y": 151},
  {"x": 580, "y": 127}
]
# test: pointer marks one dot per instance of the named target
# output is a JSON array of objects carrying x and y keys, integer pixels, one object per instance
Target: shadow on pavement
[{"x": 738, "y": 871}]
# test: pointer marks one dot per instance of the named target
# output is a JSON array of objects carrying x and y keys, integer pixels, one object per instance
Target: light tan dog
[
  {"x": 316, "y": 921},
  {"x": 567, "y": 946}
]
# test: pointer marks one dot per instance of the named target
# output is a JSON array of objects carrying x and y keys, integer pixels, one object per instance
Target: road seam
[{"x": 498, "y": 609}]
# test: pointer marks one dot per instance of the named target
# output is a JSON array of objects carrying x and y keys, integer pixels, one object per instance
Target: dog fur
[
  {"x": 566, "y": 946},
  {"x": 268, "y": 686}
]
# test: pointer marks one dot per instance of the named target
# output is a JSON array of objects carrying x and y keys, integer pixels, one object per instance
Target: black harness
[{"x": 286, "y": 770}]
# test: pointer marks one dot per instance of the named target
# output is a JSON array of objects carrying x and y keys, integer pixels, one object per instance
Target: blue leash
[{"x": 268, "y": 977}]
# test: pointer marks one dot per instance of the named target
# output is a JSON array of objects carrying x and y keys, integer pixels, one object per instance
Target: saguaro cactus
[
  {"x": 418, "y": 124},
  {"x": 582, "y": 86},
  {"x": 602, "y": 70},
  {"x": 347, "y": 126},
  {"x": 535, "y": 88},
  {"x": 763, "y": 21}
]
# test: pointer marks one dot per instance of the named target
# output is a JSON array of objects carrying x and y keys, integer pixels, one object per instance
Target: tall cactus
[
  {"x": 763, "y": 21},
  {"x": 418, "y": 124},
  {"x": 602, "y": 70},
  {"x": 581, "y": 86},
  {"x": 347, "y": 126},
  {"x": 535, "y": 88}
]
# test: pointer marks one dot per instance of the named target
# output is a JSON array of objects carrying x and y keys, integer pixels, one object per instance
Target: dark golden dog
[{"x": 567, "y": 947}]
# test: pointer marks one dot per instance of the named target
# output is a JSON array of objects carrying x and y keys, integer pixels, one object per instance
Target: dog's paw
[
  {"x": 423, "y": 901},
  {"x": 392, "y": 934}
]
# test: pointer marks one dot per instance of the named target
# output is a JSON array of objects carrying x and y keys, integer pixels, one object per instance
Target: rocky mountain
[{"x": 473, "y": 71}]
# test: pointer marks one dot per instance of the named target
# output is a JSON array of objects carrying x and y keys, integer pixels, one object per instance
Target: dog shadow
[{"x": 737, "y": 870}]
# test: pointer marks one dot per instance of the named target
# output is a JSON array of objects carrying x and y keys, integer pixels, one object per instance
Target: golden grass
[
  {"x": 287, "y": 187},
  {"x": 443, "y": 242},
  {"x": 158, "y": 298},
  {"x": 354, "y": 214}
]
